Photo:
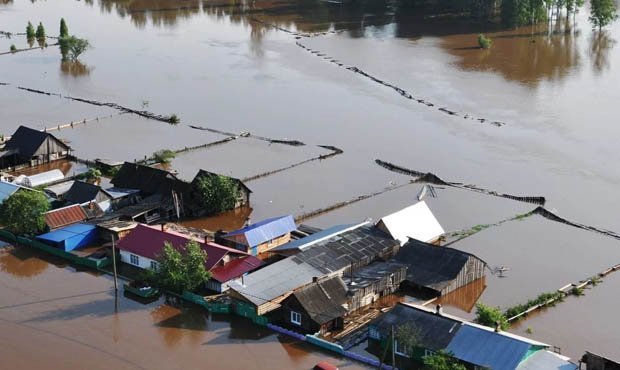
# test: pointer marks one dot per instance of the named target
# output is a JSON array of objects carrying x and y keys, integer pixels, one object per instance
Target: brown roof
[{"x": 65, "y": 216}]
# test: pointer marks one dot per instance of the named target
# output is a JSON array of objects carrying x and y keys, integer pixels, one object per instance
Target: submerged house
[
  {"x": 416, "y": 221},
  {"x": 475, "y": 346},
  {"x": 243, "y": 192},
  {"x": 263, "y": 291},
  {"x": 144, "y": 244},
  {"x": 438, "y": 270},
  {"x": 71, "y": 237},
  {"x": 259, "y": 238},
  {"x": 30, "y": 147}
]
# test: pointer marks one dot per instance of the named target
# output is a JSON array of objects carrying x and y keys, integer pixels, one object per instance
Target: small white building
[{"x": 416, "y": 221}]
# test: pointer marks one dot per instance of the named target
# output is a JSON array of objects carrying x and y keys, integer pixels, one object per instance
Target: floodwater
[
  {"x": 220, "y": 65},
  {"x": 51, "y": 315}
]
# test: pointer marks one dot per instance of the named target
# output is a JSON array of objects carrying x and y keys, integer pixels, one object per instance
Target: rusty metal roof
[{"x": 65, "y": 216}]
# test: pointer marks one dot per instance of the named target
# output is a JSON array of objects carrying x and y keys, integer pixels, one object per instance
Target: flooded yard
[{"x": 262, "y": 68}]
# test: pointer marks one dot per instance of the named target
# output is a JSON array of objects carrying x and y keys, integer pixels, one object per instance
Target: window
[
  {"x": 154, "y": 265},
  {"x": 399, "y": 349},
  {"x": 134, "y": 260},
  {"x": 428, "y": 352},
  {"x": 295, "y": 318}
]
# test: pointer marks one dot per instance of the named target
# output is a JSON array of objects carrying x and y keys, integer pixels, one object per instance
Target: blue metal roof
[
  {"x": 266, "y": 230},
  {"x": 6, "y": 190},
  {"x": 486, "y": 348},
  {"x": 67, "y": 232},
  {"x": 545, "y": 360},
  {"x": 300, "y": 243}
]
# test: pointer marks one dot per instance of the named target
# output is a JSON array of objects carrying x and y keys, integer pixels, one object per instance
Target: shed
[
  {"x": 370, "y": 283},
  {"x": 439, "y": 269},
  {"x": 71, "y": 237},
  {"x": 416, "y": 221},
  {"x": 43, "y": 178},
  {"x": 32, "y": 147},
  {"x": 83, "y": 192},
  {"x": 262, "y": 236},
  {"x": 65, "y": 216}
]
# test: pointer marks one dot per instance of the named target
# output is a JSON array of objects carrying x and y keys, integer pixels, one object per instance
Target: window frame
[
  {"x": 396, "y": 349},
  {"x": 134, "y": 259},
  {"x": 154, "y": 265},
  {"x": 295, "y": 315}
]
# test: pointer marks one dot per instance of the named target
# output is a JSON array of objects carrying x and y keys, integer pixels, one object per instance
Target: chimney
[
  {"x": 315, "y": 279},
  {"x": 163, "y": 227},
  {"x": 498, "y": 327},
  {"x": 438, "y": 310}
]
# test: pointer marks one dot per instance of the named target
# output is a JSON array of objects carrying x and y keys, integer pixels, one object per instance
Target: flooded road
[
  {"x": 238, "y": 67},
  {"x": 51, "y": 314}
]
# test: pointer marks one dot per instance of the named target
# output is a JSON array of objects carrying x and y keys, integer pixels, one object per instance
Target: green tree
[
  {"x": 72, "y": 47},
  {"x": 408, "y": 337},
  {"x": 602, "y": 13},
  {"x": 491, "y": 316},
  {"x": 64, "y": 30},
  {"x": 484, "y": 41},
  {"x": 30, "y": 34},
  {"x": 442, "y": 361},
  {"x": 164, "y": 156},
  {"x": 181, "y": 269},
  {"x": 40, "y": 33},
  {"x": 22, "y": 212},
  {"x": 216, "y": 193}
]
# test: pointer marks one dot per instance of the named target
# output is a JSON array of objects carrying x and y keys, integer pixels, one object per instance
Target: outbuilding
[{"x": 71, "y": 237}]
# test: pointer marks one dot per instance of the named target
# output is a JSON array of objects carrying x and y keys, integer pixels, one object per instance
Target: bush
[
  {"x": 163, "y": 156},
  {"x": 22, "y": 212},
  {"x": 442, "y": 360},
  {"x": 491, "y": 316},
  {"x": 30, "y": 34},
  {"x": 174, "y": 119},
  {"x": 484, "y": 41},
  {"x": 13, "y": 48},
  {"x": 72, "y": 47},
  {"x": 40, "y": 34}
]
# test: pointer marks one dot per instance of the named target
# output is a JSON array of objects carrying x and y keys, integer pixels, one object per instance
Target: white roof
[{"x": 416, "y": 221}]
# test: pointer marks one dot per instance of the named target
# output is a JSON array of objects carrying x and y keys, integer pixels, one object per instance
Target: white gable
[{"x": 416, "y": 221}]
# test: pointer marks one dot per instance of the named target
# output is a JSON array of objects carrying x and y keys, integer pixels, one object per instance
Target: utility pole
[
  {"x": 114, "y": 265},
  {"x": 393, "y": 349}
]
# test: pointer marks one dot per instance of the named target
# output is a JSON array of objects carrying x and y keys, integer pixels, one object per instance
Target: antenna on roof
[{"x": 427, "y": 189}]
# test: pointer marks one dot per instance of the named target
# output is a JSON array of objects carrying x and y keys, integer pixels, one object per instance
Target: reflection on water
[
  {"x": 160, "y": 13},
  {"x": 74, "y": 68},
  {"x": 600, "y": 45},
  {"x": 21, "y": 263},
  {"x": 229, "y": 220},
  {"x": 175, "y": 324},
  {"x": 464, "y": 298}
]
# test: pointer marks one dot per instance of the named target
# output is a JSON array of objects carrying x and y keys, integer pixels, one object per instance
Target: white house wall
[{"x": 145, "y": 263}]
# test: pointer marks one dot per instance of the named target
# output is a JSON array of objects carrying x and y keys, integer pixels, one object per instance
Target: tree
[
  {"x": 30, "y": 34},
  {"x": 181, "y": 269},
  {"x": 408, "y": 337},
  {"x": 164, "y": 156},
  {"x": 22, "y": 212},
  {"x": 442, "y": 361},
  {"x": 72, "y": 47},
  {"x": 64, "y": 30},
  {"x": 602, "y": 13},
  {"x": 216, "y": 193},
  {"x": 491, "y": 316},
  {"x": 484, "y": 41},
  {"x": 40, "y": 33}
]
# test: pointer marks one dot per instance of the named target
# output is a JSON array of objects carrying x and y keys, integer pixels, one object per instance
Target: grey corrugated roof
[
  {"x": 323, "y": 300},
  {"x": 431, "y": 266},
  {"x": 433, "y": 331},
  {"x": 371, "y": 273},
  {"x": 275, "y": 280},
  {"x": 266, "y": 230},
  {"x": 545, "y": 360},
  {"x": 313, "y": 238},
  {"x": 487, "y": 348}
]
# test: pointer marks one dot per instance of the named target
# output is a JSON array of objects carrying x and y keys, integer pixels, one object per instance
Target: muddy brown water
[{"x": 211, "y": 64}]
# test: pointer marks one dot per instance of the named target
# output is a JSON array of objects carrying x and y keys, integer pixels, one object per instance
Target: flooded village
[{"x": 355, "y": 184}]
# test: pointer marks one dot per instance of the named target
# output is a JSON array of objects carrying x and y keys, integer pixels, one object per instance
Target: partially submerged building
[
  {"x": 416, "y": 221},
  {"x": 30, "y": 147},
  {"x": 243, "y": 192},
  {"x": 370, "y": 283},
  {"x": 438, "y": 270},
  {"x": 260, "y": 238},
  {"x": 475, "y": 346},
  {"x": 71, "y": 237},
  {"x": 595, "y": 361}
]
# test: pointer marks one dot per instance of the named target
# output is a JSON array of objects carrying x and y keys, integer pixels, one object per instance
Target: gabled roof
[
  {"x": 117, "y": 193},
  {"x": 266, "y": 230},
  {"x": 148, "y": 179},
  {"x": 83, "y": 192},
  {"x": 7, "y": 189},
  {"x": 546, "y": 360},
  {"x": 148, "y": 242},
  {"x": 65, "y": 216},
  {"x": 67, "y": 232},
  {"x": 309, "y": 240},
  {"x": 202, "y": 173},
  {"x": 416, "y": 221},
  {"x": 431, "y": 266},
  {"x": 323, "y": 300},
  {"x": 433, "y": 331},
  {"x": 372, "y": 273},
  {"x": 487, "y": 348},
  {"x": 26, "y": 141},
  {"x": 235, "y": 268}
]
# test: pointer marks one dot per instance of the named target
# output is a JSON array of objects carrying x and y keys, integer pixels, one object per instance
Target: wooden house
[
  {"x": 438, "y": 270},
  {"x": 30, "y": 147},
  {"x": 260, "y": 238},
  {"x": 597, "y": 362},
  {"x": 372, "y": 282},
  {"x": 243, "y": 192}
]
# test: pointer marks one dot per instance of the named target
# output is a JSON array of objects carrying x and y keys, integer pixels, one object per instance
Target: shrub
[
  {"x": 40, "y": 33},
  {"x": 30, "y": 34},
  {"x": 484, "y": 41},
  {"x": 163, "y": 156},
  {"x": 13, "y": 48},
  {"x": 491, "y": 316},
  {"x": 174, "y": 119},
  {"x": 72, "y": 47}
]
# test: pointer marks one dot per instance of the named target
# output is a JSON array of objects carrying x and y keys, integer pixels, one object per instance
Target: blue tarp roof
[
  {"x": 487, "y": 348},
  {"x": 266, "y": 230},
  {"x": 67, "y": 232},
  {"x": 6, "y": 190},
  {"x": 296, "y": 244}
]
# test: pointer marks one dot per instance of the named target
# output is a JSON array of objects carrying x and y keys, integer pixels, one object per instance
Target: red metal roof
[
  {"x": 149, "y": 242},
  {"x": 65, "y": 216},
  {"x": 235, "y": 268}
]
